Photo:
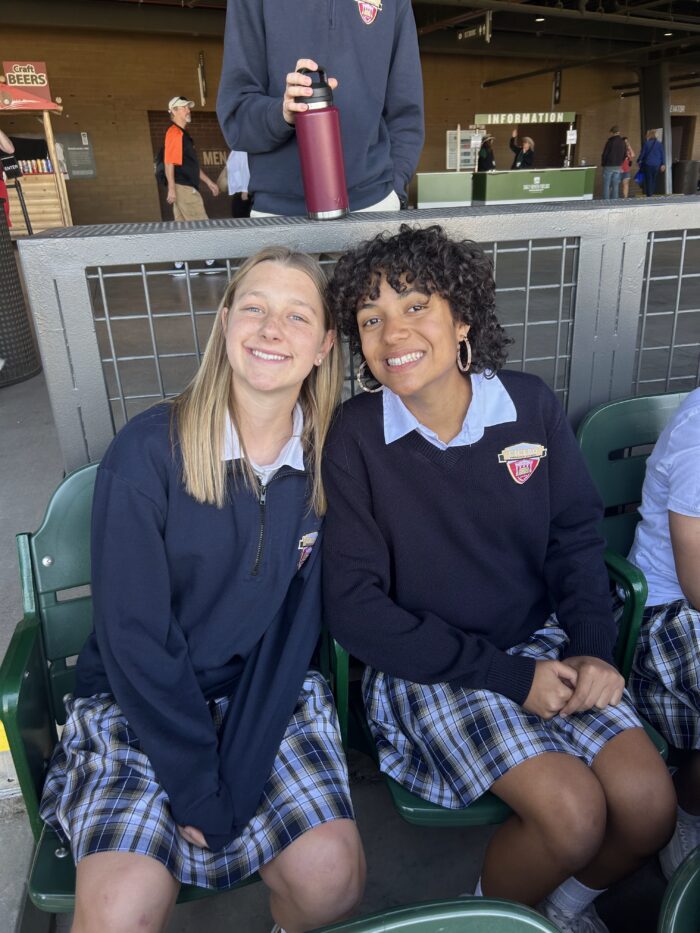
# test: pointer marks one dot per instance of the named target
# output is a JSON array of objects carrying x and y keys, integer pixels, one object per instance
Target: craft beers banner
[{"x": 28, "y": 76}]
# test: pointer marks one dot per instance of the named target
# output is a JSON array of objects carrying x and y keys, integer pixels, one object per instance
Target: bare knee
[
  {"x": 120, "y": 893},
  {"x": 573, "y": 825},
  {"x": 323, "y": 873},
  {"x": 558, "y": 797},
  {"x": 640, "y": 796}
]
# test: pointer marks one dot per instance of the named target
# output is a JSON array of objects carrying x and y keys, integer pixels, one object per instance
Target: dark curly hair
[{"x": 458, "y": 271}]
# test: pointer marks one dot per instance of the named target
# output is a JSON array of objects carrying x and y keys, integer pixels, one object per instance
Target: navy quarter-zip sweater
[
  {"x": 438, "y": 561},
  {"x": 192, "y": 602},
  {"x": 379, "y": 95}
]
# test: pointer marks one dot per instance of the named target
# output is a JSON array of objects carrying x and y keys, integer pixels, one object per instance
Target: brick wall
[{"x": 110, "y": 81}]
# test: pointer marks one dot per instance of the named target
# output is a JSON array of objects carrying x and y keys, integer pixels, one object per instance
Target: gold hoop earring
[
  {"x": 464, "y": 345},
  {"x": 359, "y": 376}
]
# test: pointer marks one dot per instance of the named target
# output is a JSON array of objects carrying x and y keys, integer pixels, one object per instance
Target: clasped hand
[{"x": 572, "y": 686}]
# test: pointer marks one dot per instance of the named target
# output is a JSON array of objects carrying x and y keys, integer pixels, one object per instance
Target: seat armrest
[
  {"x": 633, "y": 584},
  {"x": 25, "y": 713}
]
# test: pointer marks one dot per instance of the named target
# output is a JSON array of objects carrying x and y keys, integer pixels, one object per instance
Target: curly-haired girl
[{"x": 464, "y": 568}]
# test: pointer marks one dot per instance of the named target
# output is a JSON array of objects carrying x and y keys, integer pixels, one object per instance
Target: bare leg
[
  {"x": 119, "y": 892},
  {"x": 641, "y": 807},
  {"x": 625, "y": 188},
  {"x": 318, "y": 879},
  {"x": 557, "y": 829}
]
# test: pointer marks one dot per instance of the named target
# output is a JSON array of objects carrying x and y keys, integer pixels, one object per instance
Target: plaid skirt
[
  {"x": 665, "y": 678},
  {"x": 448, "y": 745},
  {"x": 102, "y": 795}
]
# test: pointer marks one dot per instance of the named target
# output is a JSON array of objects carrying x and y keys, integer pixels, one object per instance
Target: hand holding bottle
[{"x": 299, "y": 85}]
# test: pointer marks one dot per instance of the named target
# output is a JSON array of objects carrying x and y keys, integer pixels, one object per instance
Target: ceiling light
[
  {"x": 539, "y": 19},
  {"x": 668, "y": 33}
]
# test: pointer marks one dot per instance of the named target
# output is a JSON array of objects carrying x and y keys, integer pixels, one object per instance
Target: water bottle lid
[{"x": 321, "y": 92}]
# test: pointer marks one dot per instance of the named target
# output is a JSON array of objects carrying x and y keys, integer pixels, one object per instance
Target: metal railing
[{"x": 602, "y": 301}]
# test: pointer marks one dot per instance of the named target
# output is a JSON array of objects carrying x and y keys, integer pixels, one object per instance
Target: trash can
[
  {"x": 17, "y": 347},
  {"x": 685, "y": 176}
]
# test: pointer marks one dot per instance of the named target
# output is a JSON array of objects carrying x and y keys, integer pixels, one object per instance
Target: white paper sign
[{"x": 571, "y": 136}]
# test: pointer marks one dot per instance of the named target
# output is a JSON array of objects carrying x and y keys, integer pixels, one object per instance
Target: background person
[
  {"x": 486, "y": 160},
  {"x": 651, "y": 161},
  {"x": 665, "y": 678},
  {"x": 371, "y": 48},
  {"x": 625, "y": 169},
  {"x": 182, "y": 165},
  {"x": 234, "y": 180},
  {"x": 611, "y": 160},
  {"x": 524, "y": 153},
  {"x": 7, "y": 147},
  {"x": 199, "y": 746},
  {"x": 463, "y": 566}
]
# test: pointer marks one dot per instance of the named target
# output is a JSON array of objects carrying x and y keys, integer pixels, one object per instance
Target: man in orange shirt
[{"x": 182, "y": 165}]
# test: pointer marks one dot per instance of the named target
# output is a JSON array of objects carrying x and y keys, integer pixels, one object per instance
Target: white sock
[
  {"x": 477, "y": 890},
  {"x": 571, "y": 897}
]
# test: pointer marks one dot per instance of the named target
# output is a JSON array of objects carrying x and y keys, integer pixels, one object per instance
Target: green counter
[
  {"x": 444, "y": 189},
  {"x": 522, "y": 186}
]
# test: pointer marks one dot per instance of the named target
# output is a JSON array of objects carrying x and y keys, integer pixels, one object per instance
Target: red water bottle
[{"x": 321, "y": 153}]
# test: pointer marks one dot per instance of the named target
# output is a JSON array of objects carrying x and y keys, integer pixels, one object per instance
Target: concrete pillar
[{"x": 655, "y": 111}]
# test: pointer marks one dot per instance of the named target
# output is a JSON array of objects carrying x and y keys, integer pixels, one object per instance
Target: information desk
[
  {"x": 444, "y": 189},
  {"x": 522, "y": 186}
]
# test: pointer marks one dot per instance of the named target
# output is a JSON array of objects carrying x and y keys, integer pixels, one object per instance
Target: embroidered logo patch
[
  {"x": 368, "y": 10},
  {"x": 305, "y": 544},
  {"x": 522, "y": 460}
]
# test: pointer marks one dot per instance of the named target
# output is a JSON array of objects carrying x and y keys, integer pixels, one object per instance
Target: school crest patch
[
  {"x": 368, "y": 10},
  {"x": 306, "y": 542},
  {"x": 522, "y": 460}
]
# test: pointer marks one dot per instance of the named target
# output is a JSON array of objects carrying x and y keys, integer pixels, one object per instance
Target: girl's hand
[
  {"x": 598, "y": 685},
  {"x": 552, "y": 688},
  {"x": 193, "y": 835}
]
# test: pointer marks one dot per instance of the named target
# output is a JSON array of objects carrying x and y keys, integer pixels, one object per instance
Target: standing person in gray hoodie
[{"x": 372, "y": 50}]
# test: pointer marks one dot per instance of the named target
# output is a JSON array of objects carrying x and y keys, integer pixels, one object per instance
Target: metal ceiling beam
[
  {"x": 562, "y": 12},
  {"x": 589, "y": 61}
]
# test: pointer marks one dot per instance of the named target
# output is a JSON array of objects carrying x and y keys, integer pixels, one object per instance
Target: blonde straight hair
[{"x": 200, "y": 412}]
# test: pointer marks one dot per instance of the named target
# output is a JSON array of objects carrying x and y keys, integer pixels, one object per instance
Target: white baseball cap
[{"x": 180, "y": 101}]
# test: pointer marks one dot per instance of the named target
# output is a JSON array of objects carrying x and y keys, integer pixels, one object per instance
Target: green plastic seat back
[
  {"x": 462, "y": 915},
  {"x": 616, "y": 439},
  {"x": 60, "y": 568},
  {"x": 680, "y": 909}
]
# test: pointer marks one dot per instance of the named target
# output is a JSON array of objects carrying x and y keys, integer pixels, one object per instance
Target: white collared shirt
[
  {"x": 490, "y": 405},
  {"x": 292, "y": 453}
]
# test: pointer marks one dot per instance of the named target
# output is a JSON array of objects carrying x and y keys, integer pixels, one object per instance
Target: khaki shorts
[{"x": 188, "y": 204}]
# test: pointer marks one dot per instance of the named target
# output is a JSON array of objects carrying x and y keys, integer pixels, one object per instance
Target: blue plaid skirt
[
  {"x": 448, "y": 745},
  {"x": 102, "y": 795},
  {"x": 665, "y": 678}
]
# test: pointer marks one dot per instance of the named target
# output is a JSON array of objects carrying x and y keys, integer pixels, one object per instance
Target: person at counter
[
  {"x": 487, "y": 160},
  {"x": 525, "y": 153}
]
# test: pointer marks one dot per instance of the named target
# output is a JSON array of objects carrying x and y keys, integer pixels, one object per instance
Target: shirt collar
[
  {"x": 292, "y": 454},
  {"x": 490, "y": 405}
]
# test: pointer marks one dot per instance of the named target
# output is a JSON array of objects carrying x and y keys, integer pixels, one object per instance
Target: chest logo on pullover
[
  {"x": 522, "y": 460},
  {"x": 306, "y": 542},
  {"x": 368, "y": 10}
]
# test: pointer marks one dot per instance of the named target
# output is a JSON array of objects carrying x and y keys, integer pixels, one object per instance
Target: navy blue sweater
[
  {"x": 436, "y": 562},
  {"x": 380, "y": 93},
  {"x": 193, "y": 602}
]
